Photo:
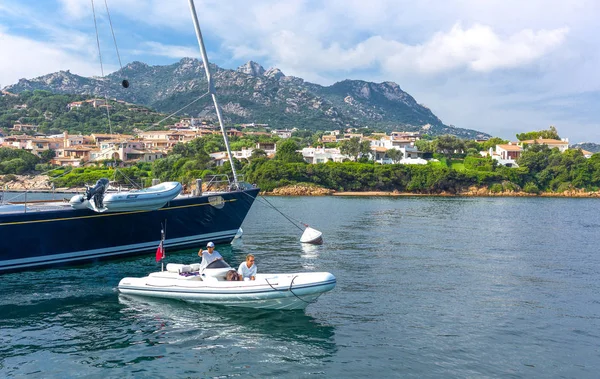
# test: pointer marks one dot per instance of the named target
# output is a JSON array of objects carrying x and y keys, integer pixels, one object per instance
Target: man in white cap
[{"x": 209, "y": 255}]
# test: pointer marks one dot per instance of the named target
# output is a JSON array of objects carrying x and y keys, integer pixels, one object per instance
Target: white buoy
[{"x": 312, "y": 236}]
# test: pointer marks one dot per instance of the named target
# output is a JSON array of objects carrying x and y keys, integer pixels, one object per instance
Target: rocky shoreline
[
  {"x": 41, "y": 183},
  {"x": 32, "y": 183},
  {"x": 300, "y": 190}
]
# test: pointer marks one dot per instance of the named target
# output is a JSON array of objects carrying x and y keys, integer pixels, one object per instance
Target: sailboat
[{"x": 37, "y": 235}]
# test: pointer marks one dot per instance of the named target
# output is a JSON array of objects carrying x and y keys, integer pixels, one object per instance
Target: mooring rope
[{"x": 290, "y": 289}]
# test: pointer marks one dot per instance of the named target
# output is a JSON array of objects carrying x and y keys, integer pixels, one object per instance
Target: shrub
[
  {"x": 496, "y": 188},
  {"x": 43, "y": 167},
  {"x": 562, "y": 187},
  {"x": 9, "y": 178},
  {"x": 531, "y": 187},
  {"x": 479, "y": 163},
  {"x": 510, "y": 186}
]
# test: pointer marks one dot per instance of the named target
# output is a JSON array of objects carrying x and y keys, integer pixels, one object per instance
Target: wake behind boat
[{"x": 291, "y": 291}]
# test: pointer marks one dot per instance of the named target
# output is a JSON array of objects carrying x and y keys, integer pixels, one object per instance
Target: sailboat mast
[{"x": 211, "y": 86}]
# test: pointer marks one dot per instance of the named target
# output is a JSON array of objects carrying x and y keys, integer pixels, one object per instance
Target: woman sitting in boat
[
  {"x": 208, "y": 256},
  {"x": 247, "y": 270}
]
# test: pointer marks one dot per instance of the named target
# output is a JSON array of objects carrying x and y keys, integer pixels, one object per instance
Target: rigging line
[
  {"x": 156, "y": 123},
  {"x": 113, "y": 34},
  {"x": 61, "y": 175},
  {"x": 102, "y": 72},
  {"x": 106, "y": 95},
  {"x": 97, "y": 38},
  {"x": 128, "y": 179},
  {"x": 263, "y": 200},
  {"x": 284, "y": 215},
  {"x": 180, "y": 109},
  {"x": 105, "y": 92},
  {"x": 169, "y": 116}
]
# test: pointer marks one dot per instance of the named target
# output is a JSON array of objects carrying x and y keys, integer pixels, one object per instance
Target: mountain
[
  {"x": 589, "y": 146},
  {"x": 253, "y": 94}
]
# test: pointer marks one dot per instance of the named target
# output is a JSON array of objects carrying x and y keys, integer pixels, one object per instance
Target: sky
[{"x": 498, "y": 66}]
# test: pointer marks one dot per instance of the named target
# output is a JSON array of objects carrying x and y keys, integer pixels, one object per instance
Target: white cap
[{"x": 210, "y": 244}]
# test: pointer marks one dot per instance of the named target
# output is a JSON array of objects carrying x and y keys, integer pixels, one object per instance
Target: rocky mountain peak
[
  {"x": 279, "y": 100},
  {"x": 274, "y": 73},
  {"x": 251, "y": 68},
  {"x": 136, "y": 65}
]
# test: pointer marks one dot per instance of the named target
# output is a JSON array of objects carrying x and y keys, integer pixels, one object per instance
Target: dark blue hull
[{"x": 69, "y": 236}]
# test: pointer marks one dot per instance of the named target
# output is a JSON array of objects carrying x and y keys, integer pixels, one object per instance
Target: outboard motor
[{"x": 97, "y": 192}]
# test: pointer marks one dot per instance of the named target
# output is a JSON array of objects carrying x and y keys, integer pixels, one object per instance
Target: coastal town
[{"x": 148, "y": 146}]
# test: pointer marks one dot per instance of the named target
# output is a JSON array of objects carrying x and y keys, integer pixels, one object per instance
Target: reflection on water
[
  {"x": 234, "y": 323},
  {"x": 309, "y": 255},
  {"x": 114, "y": 331},
  {"x": 246, "y": 334},
  {"x": 310, "y": 251}
]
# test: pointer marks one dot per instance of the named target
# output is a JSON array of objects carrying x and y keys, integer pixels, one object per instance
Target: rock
[
  {"x": 301, "y": 190},
  {"x": 26, "y": 183}
]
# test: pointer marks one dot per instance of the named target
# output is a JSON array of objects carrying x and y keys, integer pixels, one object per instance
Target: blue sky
[{"x": 498, "y": 66}]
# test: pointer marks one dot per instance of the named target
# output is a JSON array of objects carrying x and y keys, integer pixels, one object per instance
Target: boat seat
[{"x": 181, "y": 268}]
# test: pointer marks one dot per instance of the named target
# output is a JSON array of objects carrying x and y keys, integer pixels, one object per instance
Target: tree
[
  {"x": 550, "y": 133},
  {"x": 394, "y": 154},
  {"x": 448, "y": 144},
  {"x": 287, "y": 152},
  {"x": 492, "y": 142},
  {"x": 257, "y": 153},
  {"x": 425, "y": 146},
  {"x": 47, "y": 155},
  {"x": 535, "y": 158},
  {"x": 354, "y": 147},
  {"x": 13, "y": 166}
]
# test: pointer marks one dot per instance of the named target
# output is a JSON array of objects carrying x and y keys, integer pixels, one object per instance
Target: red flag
[{"x": 160, "y": 252}]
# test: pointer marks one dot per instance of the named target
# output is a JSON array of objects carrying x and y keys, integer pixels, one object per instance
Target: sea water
[{"x": 427, "y": 287}]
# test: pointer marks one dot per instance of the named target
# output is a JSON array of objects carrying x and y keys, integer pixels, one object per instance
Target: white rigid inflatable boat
[
  {"x": 268, "y": 291},
  {"x": 151, "y": 198}
]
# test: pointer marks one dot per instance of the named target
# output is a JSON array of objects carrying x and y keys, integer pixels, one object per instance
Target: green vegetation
[
  {"x": 17, "y": 161},
  {"x": 541, "y": 169},
  {"x": 459, "y": 164},
  {"x": 50, "y": 113},
  {"x": 550, "y": 133},
  {"x": 354, "y": 147}
]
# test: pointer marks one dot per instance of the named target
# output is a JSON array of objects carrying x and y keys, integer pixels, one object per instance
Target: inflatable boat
[{"x": 209, "y": 286}]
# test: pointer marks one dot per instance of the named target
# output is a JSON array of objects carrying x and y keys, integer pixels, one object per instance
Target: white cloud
[
  {"x": 77, "y": 9},
  {"x": 169, "y": 51},
  {"x": 467, "y": 60},
  {"x": 39, "y": 58},
  {"x": 479, "y": 49}
]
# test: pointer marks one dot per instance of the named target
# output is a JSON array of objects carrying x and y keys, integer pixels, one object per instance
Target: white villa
[
  {"x": 322, "y": 155},
  {"x": 507, "y": 154}
]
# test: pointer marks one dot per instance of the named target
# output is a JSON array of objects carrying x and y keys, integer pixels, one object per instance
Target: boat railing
[
  {"x": 29, "y": 201},
  {"x": 216, "y": 183},
  {"x": 223, "y": 183}
]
